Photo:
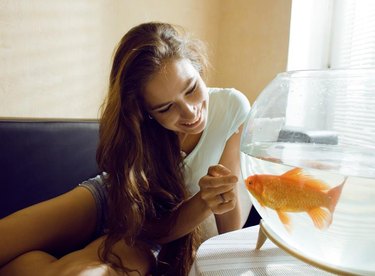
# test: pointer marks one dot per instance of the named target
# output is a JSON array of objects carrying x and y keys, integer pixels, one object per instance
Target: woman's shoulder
[{"x": 230, "y": 97}]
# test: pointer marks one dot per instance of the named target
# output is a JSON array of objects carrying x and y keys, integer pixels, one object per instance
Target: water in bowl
[{"x": 348, "y": 243}]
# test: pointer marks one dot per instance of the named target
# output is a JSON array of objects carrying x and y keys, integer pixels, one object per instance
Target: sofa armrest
[{"x": 41, "y": 159}]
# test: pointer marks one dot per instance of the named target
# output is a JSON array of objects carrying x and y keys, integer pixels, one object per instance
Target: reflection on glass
[{"x": 309, "y": 165}]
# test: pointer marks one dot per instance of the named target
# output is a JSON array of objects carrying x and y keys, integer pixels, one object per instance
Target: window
[
  {"x": 337, "y": 34},
  {"x": 353, "y": 34},
  {"x": 332, "y": 34}
]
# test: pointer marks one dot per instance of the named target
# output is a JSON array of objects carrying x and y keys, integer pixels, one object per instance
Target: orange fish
[{"x": 295, "y": 192}]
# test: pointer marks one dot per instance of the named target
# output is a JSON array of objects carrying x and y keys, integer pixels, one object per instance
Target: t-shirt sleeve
[{"x": 240, "y": 107}]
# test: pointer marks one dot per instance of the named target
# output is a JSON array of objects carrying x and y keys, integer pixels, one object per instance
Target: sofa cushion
[{"x": 41, "y": 159}]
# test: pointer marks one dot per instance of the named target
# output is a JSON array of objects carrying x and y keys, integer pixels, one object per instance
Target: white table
[{"x": 234, "y": 253}]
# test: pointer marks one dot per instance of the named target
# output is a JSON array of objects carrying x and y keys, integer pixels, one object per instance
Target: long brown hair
[{"x": 142, "y": 159}]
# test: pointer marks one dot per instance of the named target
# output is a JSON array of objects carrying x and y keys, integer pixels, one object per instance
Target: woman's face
[{"x": 177, "y": 97}]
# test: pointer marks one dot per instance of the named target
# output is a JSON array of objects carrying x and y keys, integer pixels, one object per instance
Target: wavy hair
[{"x": 142, "y": 158}]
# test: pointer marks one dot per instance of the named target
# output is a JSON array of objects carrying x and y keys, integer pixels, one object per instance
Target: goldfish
[{"x": 294, "y": 191}]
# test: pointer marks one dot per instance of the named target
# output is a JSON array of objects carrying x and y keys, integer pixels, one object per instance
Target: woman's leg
[
  {"x": 57, "y": 225},
  {"x": 31, "y": 263},
  {"x": 82, "y": 262}
]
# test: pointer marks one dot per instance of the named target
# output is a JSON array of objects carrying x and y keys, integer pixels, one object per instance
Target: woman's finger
[
  {"x": 224, "y": 207},
  {"x": 212, "y": 191},
  {"x": 215, "y": 182},
  {"x": 228, "y": 196},
  {"x": 213, "y": 200},
  {"x": 218, "y": 170}
]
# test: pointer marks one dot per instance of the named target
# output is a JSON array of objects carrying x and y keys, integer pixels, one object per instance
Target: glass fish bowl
[{"x": 308, "y": 162}]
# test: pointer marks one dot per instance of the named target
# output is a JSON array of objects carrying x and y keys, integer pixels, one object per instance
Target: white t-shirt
[{"x": 227, "y": 110}]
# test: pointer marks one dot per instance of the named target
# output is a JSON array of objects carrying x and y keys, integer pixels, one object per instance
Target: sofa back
[{"x": 41, "y": 159}]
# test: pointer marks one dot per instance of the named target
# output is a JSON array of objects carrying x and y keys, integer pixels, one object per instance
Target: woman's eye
[
  {"x": 192, "y": 89},
  {"x": 165, "y": 109}
]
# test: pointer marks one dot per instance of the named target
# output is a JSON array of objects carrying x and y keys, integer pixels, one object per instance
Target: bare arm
[
  {"x": 196, "y": 209},
  {"x": 220, "y": 179},
  {"x": 54, "y": 225},
  {"x": 230, "y": 158}
]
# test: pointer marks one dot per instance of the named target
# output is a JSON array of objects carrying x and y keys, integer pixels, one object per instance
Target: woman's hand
[
  {"x": 218, "y": 195},
  {"x": 217, "y": 189}
]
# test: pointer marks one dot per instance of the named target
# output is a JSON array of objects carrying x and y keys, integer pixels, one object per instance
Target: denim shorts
[{"x": 99, "y": 191}]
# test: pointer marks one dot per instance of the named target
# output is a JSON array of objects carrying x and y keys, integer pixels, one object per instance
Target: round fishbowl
[{"x": 309, "y": 165}]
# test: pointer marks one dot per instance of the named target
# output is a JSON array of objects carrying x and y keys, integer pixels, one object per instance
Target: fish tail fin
[
  {"x": 321, "y": 217},
  {"x": 334, "y": 195}
]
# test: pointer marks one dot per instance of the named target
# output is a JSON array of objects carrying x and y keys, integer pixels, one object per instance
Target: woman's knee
[
  {"x": 30, "y": 263},
  {"x": 135, "y": 260},
  {"x": 87, "y": 261}
]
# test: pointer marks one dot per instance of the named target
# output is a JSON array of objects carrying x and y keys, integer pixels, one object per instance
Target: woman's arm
[
  {"x": 230, "y": 158},
  {"x": 196, "y": 209},
  {"x": 59, "y": 224}
]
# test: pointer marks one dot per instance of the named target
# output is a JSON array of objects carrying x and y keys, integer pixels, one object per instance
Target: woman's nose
[{"x": 188, "y": 110}]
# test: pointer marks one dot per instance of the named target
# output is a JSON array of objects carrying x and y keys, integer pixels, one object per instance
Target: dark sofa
[{"x": 41, "y": 159}]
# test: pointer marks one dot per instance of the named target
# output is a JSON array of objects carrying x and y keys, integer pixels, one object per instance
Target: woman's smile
[
  {"x": 177, "y": 97},
  {"x": 194, "y": 123}
]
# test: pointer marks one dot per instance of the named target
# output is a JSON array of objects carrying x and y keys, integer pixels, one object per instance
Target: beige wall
[
  {"x": 253, "y": 44},
  {"x": 55, "y": 55}
]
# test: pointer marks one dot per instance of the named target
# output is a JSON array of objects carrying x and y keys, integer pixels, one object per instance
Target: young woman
[{"x": 169, "y": 147}]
